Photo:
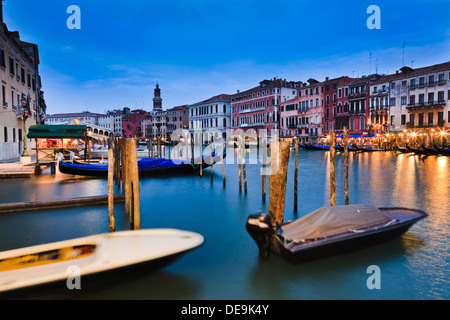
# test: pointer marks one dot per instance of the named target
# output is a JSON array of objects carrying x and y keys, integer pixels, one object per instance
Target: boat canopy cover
[{"x": 328, "y": 221}]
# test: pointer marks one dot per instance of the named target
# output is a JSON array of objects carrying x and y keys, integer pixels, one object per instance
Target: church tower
[{"x": 157, "y": 101}]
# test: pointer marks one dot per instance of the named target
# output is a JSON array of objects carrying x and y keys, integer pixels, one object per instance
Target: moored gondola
[
  {"x": 402, "y": 150},
  {"x": 416, "y": 150},
  {"x": 430, "y": 151},
  {"x": 330, "y": 230},
  {"x": 146, "y": 167},
  {"x": 443, "y": 151}
]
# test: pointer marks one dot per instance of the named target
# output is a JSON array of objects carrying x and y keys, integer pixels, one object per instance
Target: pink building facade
[{"x": 259, "y": 108}]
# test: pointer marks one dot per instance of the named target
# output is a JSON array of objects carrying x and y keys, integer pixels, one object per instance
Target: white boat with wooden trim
[{"x": 95, "y": 255}]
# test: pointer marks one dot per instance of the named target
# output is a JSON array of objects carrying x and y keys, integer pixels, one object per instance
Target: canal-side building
[
  {"x": 289, "y": 119},
  {"x": 380, "y": 102},
  {"x": 258, "y": 108},
  {"x": 213, "y": 114},
  {"x": 21, "y": 82},
  {"x": 358, "y": 102},
  {"x": 334, "y": 108},
  {"x": 112, "y": 120},
  {"x": 159, "y": 117},
  {"x": 85, "y": 117},
  {"x": 420, "y": 98},
  {"x": 177, "y": 118},
  {"x": 132, "y": 124}
]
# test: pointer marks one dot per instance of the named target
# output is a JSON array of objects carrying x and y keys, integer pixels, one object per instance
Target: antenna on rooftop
[{"x": 403, "y": 57}]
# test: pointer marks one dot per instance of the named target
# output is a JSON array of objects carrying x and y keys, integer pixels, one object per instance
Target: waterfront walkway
[{"x": 16, "y": 170}]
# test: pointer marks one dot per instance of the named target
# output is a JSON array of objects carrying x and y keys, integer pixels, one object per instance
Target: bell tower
[{"x": 157, "y": 101}]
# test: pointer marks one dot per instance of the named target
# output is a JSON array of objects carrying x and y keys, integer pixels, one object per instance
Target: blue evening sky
[{"x": 196, "y": 49}]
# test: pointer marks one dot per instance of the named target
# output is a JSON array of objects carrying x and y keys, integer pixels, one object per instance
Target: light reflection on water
[{"x": 414, "y": 266}]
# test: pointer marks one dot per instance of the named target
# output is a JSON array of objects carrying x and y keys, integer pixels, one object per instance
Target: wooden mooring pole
[
  {"x": 111, "y": 169},
  {"x": 264, "y": 178},
  {"x": 212, "y": 159},
  {"x": 295, "y": 172},
  {"x": 279, "y": 159},
  {"x": 239, "y": 162},
  {"x": 133, "y": 186},
  {"x": 244, "y": 172},
  {"x": 332, "y": 170},
  {"x": 347, "y": 201},
  {"x": 223, "y": 165}
]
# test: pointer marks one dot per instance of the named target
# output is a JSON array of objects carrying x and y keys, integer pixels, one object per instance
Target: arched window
[
  {"x": 362, "y": 123},
  {"x": 352, "y": 123}
]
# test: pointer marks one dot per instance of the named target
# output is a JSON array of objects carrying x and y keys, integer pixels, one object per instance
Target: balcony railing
[
  {"x": 439, "y": 104},
  {"x": 439, "y": 124},
  {"x": 252, "y": 109}
]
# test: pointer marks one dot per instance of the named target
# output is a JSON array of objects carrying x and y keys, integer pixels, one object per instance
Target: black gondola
[
  {"x": 402, "y": 150},
  {"x": 443, "y": 151},
  {"x": 430, "y": 151},
  {"x": 416, "y": 150},
  {"x": 146, "y": 167},
  {"x": 330, "y": 230}
]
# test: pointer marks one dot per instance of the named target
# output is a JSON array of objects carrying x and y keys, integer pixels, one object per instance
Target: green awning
[{"x": 57, "y": 132}]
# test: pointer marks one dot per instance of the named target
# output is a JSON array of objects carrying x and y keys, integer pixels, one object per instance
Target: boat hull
[
  {"x": 102, "y": 170},
  {"x": 92, "y": 282},
  {"x": 44, "y": 270},
  {"x": 267, "y": 240}
]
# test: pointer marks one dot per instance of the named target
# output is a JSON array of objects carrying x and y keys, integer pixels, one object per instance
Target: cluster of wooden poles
[
  {"x": 123, "y": 170},
  {"x": 279, "y": 159}
]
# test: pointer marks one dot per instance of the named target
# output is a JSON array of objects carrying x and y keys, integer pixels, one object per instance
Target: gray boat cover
[{"x": 329, "y": 221}]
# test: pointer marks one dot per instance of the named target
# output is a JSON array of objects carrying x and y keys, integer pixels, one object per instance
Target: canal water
[{"x": 227, "y": 265}]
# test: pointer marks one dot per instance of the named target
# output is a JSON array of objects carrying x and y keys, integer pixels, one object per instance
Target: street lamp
[{"x": 25, "y": 112}]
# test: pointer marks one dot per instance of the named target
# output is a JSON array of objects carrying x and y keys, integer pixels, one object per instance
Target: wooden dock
[
  {"x": 55, "y": 204},
  {"x": 16, "y": 170}
]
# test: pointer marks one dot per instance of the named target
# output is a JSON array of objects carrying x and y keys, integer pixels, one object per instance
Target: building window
[
  {"x": 393, "y": 85},
  {"x": 404, "y": 83},
  {"x": 5, "y": 104},
  {"x": 11, "y": 65},
  {"x": 430, "y": 118},
  {"x": 392, "y": 102},
  {"x": 2, "y": 58},
  {"x": 362, "y": 123},
  {"x": 403, "y": 119},
  {"x": 403, "y": 100}
]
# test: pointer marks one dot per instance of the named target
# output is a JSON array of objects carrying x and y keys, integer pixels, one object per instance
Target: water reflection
[{"x": 227, "y": 265}]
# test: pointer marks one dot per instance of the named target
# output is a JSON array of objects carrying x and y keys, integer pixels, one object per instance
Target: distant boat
[
  {"x": 330, "y": 230},
  {"x": 402, "y": 150},
  {"x": 430, "y": 151},
  {"x": 367, "y": 149},
  {"x": 146, "y": 166},
  {"x": 94, "y": 256},
  {"x": 416, "y": 150},
  {"x": 443, "y": 151}
]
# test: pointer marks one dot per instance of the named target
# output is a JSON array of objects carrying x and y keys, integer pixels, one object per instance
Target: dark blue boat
[{"x": 146, "y": 166}]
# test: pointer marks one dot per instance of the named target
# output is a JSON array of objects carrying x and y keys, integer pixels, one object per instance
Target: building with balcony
[
  {"x": 132, "y": 124},
  {"x": 420, "y": 98},
  {"x": 20, "y": 79},
  {"x": 213, "y": 115},
  {"x": 258, "y": 108}
]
